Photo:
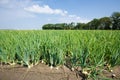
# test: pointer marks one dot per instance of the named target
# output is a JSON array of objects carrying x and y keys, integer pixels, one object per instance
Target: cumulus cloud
[
  {"x": 17, "y": 12},
  {"x": 15, "y": 9},
  {"x": 4, "y": 1},
  {"x": 45, "y": 10},
  {"x": 66, "y": 17},
  {"x": 15, "y": 4},
  {"x": 73, "y": 18}
]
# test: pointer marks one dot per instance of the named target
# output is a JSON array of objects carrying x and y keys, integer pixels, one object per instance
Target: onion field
[{"x": 88, "y": 49}]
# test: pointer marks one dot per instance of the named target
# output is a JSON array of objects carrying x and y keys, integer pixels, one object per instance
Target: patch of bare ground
[
  {"x": 44, "y": 72},
  {"x": 112, "y": 74},
  {"x": 38, "y": 72}
]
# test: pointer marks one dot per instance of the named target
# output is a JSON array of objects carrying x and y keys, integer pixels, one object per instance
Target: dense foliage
[
  {"x": 105, "y": 23},
  {"x": 30, "y": 47},
  {"x": 90, "y": 50}
]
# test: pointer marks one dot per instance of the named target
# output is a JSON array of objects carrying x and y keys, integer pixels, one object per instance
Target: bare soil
[{"x": 44, "y": 72}]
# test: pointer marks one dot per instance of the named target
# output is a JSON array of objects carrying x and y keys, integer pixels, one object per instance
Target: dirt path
[
  {"x": 39, "y": 72},
  {"x": 43, "y": 72}
]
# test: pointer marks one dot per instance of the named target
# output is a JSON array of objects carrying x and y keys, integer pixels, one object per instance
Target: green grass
[{"x": 88, "y": 49}]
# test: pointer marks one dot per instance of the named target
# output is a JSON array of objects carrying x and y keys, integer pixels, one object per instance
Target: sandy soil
[
  {"x": 43, "y": 72},
  {"x": 38, "y": 72}
]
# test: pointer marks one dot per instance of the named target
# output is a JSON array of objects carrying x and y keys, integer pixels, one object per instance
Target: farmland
[{"x": 88, "y": 49}]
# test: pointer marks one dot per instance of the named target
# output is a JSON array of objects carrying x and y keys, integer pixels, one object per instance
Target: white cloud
[
  {"x": 49, "y": 19},
  {"x": 21, "y": 13},
  {"x": 4, "y": 1},
  {"x": 14, "y": 9},
  {"x": 45, "y": 10},
  {"x": 15, "y": 4},
  {"x": 73, "y": 18},
  {"x": 64, "y": 18}
]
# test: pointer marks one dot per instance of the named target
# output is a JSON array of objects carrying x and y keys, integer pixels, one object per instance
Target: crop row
[{"x": 54, "y": 48}]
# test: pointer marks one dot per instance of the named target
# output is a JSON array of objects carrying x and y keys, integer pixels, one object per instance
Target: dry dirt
[{"x": 44, "y": 72}]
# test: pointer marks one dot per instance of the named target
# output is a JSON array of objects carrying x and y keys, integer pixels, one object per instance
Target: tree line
[{"x": 104, "y": 23}]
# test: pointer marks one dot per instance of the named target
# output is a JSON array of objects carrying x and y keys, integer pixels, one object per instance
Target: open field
[{"x": 93, "y": 51}]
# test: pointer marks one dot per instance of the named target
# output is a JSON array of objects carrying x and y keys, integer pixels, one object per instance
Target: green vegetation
[
  {"x": 104, "y": 23},
  {"x": 89, "y": 49}
]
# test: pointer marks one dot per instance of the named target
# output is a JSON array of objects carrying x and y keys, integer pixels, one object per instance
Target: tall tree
[
  {"x": 79, "y": 26},
  {"x": 94, "y": 24},
  {"x": 48, "y": 26},
  {"x": 105, "y": 23},
  {"x": 71, "y": 25},
  {"x": 115, "y": 20}
]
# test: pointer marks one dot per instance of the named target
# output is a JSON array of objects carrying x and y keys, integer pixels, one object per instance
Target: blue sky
[{"x": 32, "y": 14}]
